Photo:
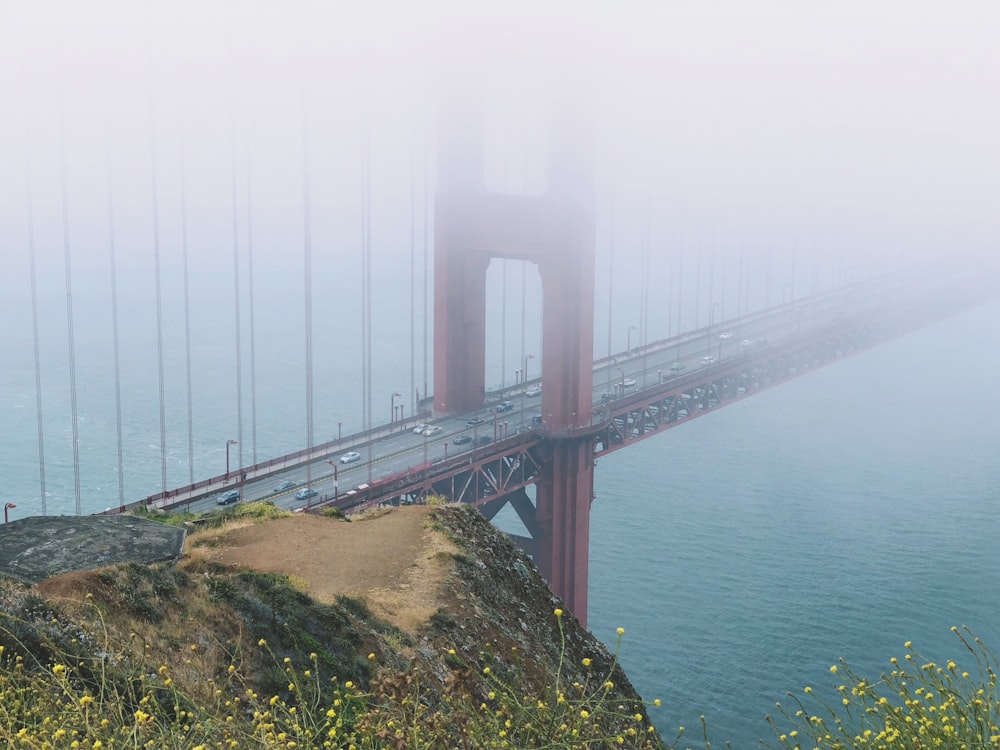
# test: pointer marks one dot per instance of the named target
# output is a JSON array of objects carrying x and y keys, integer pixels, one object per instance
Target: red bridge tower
[{"x": 555, "y": 231}]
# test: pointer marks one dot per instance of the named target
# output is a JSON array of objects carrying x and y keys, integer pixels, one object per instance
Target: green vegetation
[
  {"x": 207, "y": 656},
  {"x": 120, "y": 700},
  {"x": 917, "y": 704}
]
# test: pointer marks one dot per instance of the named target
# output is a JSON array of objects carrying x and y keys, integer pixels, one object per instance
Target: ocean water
[{"x": 838, "y": 515}]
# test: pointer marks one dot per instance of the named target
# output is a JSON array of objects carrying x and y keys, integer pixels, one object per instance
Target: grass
[{"x": 77, "y": 692}]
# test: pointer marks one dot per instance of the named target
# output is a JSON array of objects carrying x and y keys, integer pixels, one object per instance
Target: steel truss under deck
[{"x": 493, "y": 476}]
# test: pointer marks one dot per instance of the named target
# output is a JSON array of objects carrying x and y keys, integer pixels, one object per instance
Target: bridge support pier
[{"x": 563, "y": 518}]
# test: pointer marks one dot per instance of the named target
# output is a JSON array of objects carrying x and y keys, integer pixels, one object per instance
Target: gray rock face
[{"x": 33, "y": 549}]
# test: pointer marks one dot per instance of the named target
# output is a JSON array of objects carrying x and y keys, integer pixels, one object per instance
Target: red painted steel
[{"x": 556, "y": 232}]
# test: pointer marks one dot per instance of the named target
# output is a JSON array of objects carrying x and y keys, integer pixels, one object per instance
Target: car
[
  {"x": 418, "y": 430},
  {"x": 535, "y": 390},
  {"x": 677, "y": 366},
  {"x": 504, "y": 406},
  {"x": 432, "y": 429},
  {"x": 746, "y": 343},
  {"x": 536, "y": 419},
  {"x": 305, "y": 493},
  {"x": 472, "y": 422},
  {"x": 726, "y": 335},
  {"x": 483, "y": 440},
  {"x": 286, "y": 485},
  {"x": 461, "y": 440},
  {"x": 607, "y": 397},
  {"x": 230, "y": 496},
  {"x": 628, "y": 383},
  {"x": 706, "y": 361},
  {"x": 350, "y": 457}
]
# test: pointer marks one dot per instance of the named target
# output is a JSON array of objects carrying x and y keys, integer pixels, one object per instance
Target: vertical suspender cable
[
  {"x": 697, "y": 289},
  {"x": 114, "y": 336},
  {"x": 365, "y": 339},
  {"x": 159, "y": 301},
  {"x": 426, "y": 253},
  {"x": 253, "y": 352},
  {"x": 307, "y": 283},
  {"x": 187, "y": 321},
  {"x": 368, "y": 284},
  {"x": 368, "y": 262},
  {"x": 236, "y": 292},
  {"x": 413, "y": 283},
  {"x": 69, "y": 315},
  {"x": 503, "y": 323},
  {"x": 611, "y": 280},
  {"x": 644, "y": 289},
  {"x": 34, "y": 332},
  {"x": 680, "y": 286}
]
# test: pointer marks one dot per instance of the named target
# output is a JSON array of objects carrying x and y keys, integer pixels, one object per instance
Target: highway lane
[{"x": 402, "y": 449}]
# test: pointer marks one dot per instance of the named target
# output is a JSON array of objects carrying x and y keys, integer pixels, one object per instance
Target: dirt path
[{"x": 391, "y": 560}]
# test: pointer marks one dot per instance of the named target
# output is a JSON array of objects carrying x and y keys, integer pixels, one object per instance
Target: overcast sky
[{"x": 874, "y": 113}]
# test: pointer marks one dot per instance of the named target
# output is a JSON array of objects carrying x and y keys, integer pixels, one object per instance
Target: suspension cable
[
  {"x": 253, "y": 352},
  {"x": 236, "y": 288},
  {"x": 34, "y": 327},
  {"x": 187, "y": 320},
  {"x": 159, "y": 299},
  {"x": 413, "y": 283},
  {"x": 114, "y": 334},
  {"x": 307, "y": 283},
  {"x": 74, "y": 417}
]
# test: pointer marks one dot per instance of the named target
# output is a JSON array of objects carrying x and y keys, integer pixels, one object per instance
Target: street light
[
  {"x": 336, "y": 481},
  {"x": 393, "y": 406},
  {"x": 659, "y": 377},
  {"x": 6, "y": 508},
  {"x": 622, "y": 387},
  {"x": 228, "y": 443},
  {"x": 628, "y": 345},
  {"x": 340, "y": 426},
  {"x": 526, "y": 358}
]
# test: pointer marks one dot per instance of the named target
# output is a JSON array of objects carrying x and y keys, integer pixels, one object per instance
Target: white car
[
  {"x": 431, "y": 429},
  {"x": 628, "y": 383},
  {"x": 419, "y": 429},
  {"x": 706, "y": 361},
  {"x": 746, "y": 343},
  {"x": 350, "y": 457},
  {"x": 725, "y": 335},
  {"x": 535, "y": 390}
]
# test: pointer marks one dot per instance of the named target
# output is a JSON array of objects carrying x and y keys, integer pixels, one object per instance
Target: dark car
[
  {"x": 504, "y": 406},
  {"x": 461, "y": 440},
  {"x": 286, "y": 485},
  {"x": 484, "y": 440},
  {"x": 230, "y": 496},
  {"x": 305, "y": 493},
  {"x": 473, "y": 421}
]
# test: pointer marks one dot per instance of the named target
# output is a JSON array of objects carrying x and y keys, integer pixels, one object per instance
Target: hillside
[{"x": 427, "y": 607}]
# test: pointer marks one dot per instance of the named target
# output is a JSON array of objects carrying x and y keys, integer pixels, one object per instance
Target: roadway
[{"x": 398, "y": 448}]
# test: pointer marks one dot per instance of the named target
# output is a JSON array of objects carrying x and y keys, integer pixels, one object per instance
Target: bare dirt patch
[{"x": 393, "y": 560}]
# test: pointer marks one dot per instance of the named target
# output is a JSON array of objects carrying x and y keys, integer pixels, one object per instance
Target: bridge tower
[{"x": 555, "y": 231}]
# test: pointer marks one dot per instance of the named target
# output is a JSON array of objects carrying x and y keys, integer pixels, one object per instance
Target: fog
[{"x": 811, "y": 144}]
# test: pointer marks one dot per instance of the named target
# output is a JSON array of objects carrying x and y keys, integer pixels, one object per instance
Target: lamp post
[
  {"x": 228, "y": 443},
  {"x": 336, "y": 481},
  {"x": 628, "y": 345},
  {"x": 392, "y": 407},
  {"x": 6, "y": 508},
  {"x": 621, "y": 387},
  {"x": 659, "y": 377},
  {"x": 517, "y": 376},
  {"x": 494, "y": 413},
  {"x": 340, "y": 433},
  {"x": 525, "y": 371}
]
